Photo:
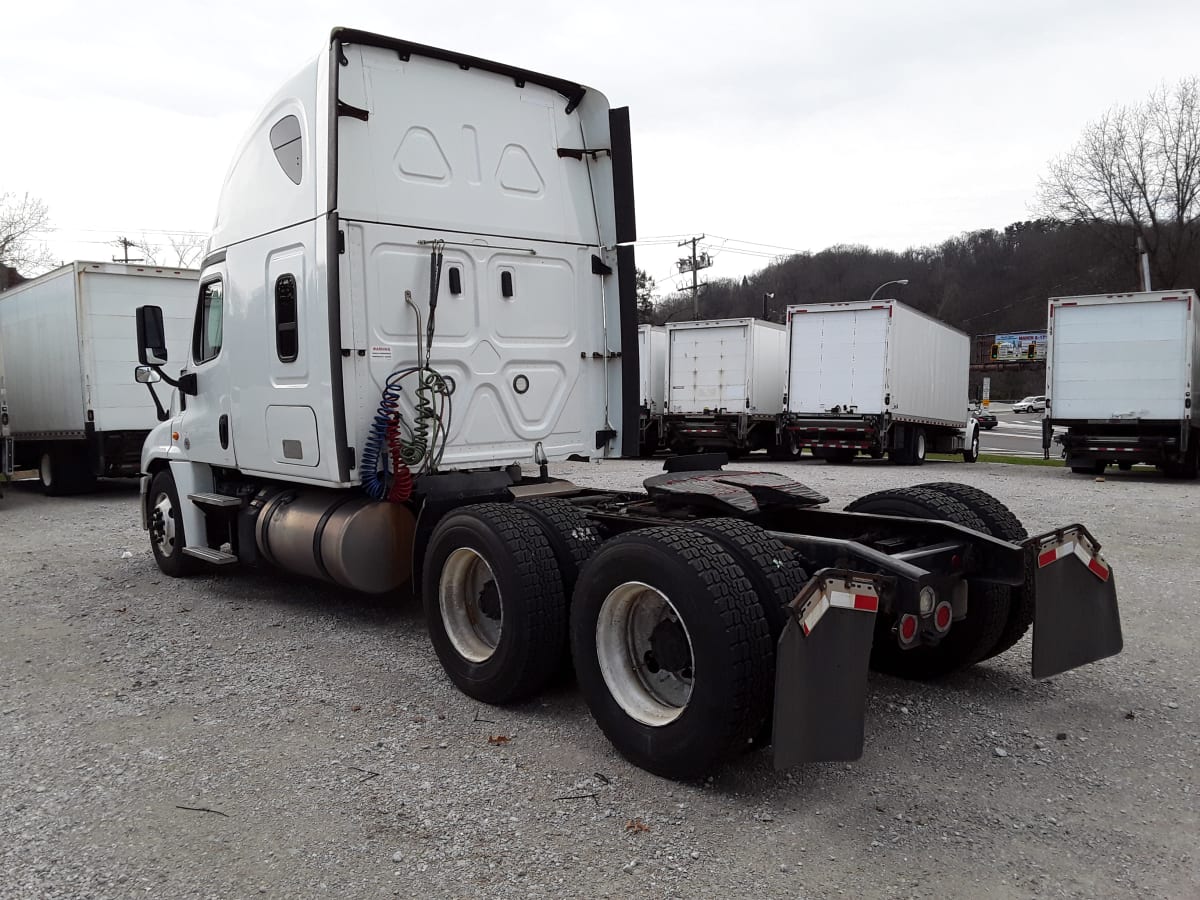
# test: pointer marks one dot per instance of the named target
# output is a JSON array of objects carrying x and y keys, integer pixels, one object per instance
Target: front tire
[
  {"x": 494, "y": 602},
  {"x": 672, "y": 650},
  {"x": 167, "y": 538},
  {"x": 971, "y": 454}
]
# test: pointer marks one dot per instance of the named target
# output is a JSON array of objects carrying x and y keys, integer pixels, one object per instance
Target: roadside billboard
[{"x": 1022, "y": 345}]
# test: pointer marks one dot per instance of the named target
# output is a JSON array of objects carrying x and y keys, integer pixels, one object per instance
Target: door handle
[{"x": 223, "y": 430}]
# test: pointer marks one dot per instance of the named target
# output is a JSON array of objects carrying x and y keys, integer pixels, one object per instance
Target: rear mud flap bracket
[
  {"x": 1076, "y": 620},
  {"x": 821, "y": 669}
]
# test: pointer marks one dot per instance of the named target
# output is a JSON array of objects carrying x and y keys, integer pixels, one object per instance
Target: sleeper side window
[
  {"x": 206, "y": 340},
  {"x": 287, "y": 335},
  {"x": 289, "y": 149}
]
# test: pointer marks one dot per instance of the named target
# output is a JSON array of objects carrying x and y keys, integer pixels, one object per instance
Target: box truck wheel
[
  {"x": 969, "y": 640},
  {"x": 917, "y": 453},
  {"x": 494, "y": 602},
  {"x": 672, "y": 650},
  {"x": 1001, "y": 523},
  {"x": 63, "y": 471},
  {"x": 166, "y": 527},
  {"x": 971, "y": 453},
  {"x": 787, "y": 448}
]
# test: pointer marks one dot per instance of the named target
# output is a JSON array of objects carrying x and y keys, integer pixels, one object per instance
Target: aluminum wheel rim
[
  {"x": 627, "y": 618},
  {"x": 46, "y": 470},
  {"x": 163, "y": 527},
  {"x": 465, "y": 576},
  {"x": 921, "y": 445}
]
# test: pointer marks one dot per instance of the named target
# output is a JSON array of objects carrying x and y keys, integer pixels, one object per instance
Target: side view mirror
[
  {"x": 146, "y": 375},
  {"x": 151, "y": 337}
]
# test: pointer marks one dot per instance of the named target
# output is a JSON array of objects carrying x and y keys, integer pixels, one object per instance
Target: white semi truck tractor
[{"x": 418, "y": 295}]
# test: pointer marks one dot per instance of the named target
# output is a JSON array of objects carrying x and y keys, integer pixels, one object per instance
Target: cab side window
[{"x": 206, "y": 340}]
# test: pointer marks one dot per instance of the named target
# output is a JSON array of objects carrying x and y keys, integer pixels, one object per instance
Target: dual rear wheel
[{"x": 671, "y": 629}]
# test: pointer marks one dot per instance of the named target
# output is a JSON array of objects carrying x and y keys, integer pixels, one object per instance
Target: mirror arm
[
  {"x": 185, "y": 383},
  {"x": 162, "y": 414}
]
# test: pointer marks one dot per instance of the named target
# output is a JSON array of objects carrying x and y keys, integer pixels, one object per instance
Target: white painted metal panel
[
  {"x": 108, "y": 299},
  {"x": 837, "y": 359},
  {"x": 468, "y": 157},
  {"x": 768, "y": 368},
  {"x": 652, "y": 367},
  {"x": 461, "y": 150},
  {"x": 522, "y": 366},
  {"x": 928, "y": 368},
  {"x": 709, "y": 366},
  {"x": 40, "y": 335},
  {"x": 867, "y": 359},
  {"x": 1122, "y": 357}
]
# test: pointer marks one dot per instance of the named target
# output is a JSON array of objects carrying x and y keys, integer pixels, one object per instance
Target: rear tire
[
  {"x": 1001, "y": 522},
  {"x": 672, "y": 650},
  {"x": 572, "y": 535},
  {"x": 787, "y": 448},
  {"x": 917, "y": 456},
  {"x": 775, "y": 571},
  {"x": 968, "y": 641},
  {"x": 494, "y": 602},
  {"x": 64, "y": 471}
]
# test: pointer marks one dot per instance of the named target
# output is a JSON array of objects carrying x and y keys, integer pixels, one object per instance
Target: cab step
[
  {"x": 220, "y": 501},
  {"x": 215, "y": 557}
]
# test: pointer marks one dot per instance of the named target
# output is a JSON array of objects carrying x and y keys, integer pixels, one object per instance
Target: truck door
[{"x": 204, "y": 425}]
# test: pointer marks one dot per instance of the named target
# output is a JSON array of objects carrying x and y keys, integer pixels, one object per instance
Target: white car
[{"x": 1029, "y": 405}]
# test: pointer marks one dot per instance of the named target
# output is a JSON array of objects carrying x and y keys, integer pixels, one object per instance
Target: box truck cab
[{"x": 419, "y": 280}]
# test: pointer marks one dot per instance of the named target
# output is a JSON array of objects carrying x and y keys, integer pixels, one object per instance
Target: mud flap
[
  {"x": 821, "y": 665},
  {"x": 1075, "y": 618}
]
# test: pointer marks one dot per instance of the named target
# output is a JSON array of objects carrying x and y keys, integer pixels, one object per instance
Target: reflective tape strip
[
  {"x": 1095, "y": 564},
  {"x": 840, "y": 597}
]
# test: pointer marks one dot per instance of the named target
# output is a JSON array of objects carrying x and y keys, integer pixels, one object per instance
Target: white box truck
[
  {"x": 70, "y": 351},
  {"x": 1120, "y": 374},
  {"x": 652, "y": 386},
  {"x": 6, "y": 445},
  {"x": 422, "y": 277},
  {"x": 877, "y": 378},
  {"x": 725, "y": 382}
]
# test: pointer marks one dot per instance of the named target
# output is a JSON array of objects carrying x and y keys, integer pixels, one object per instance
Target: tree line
[{"x": 1132, "y": 181}]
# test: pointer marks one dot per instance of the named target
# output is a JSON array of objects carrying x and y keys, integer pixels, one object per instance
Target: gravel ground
[{"x": 245, "y": 734}]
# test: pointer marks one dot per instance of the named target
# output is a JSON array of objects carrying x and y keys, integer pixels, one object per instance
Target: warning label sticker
[{"x": 384, "y": 352}]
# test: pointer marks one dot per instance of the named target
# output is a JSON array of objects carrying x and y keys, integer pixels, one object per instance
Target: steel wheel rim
[
  {"x": 162, "y": 528},
  {"x": 921, "y": 445},
  {"x": 46, "y": 470},
  {"x": 628, "y": 616},
  {"x": 474, "y": 633}
]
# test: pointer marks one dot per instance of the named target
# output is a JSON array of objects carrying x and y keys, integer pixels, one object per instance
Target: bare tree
[
  {"x": 21, "y": 218},
  {"x": 184, "y": 249},
  {"x": 188, "y": 249},
  {"x": 1138, "y": 168}
]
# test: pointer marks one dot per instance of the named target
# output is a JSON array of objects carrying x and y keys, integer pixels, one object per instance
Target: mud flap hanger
[
  {"x": 1075, "y": 619},
  {"x": 821, "y": 665}
]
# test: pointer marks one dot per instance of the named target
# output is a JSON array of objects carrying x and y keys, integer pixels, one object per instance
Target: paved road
[{"x": 1016, "y": 435}]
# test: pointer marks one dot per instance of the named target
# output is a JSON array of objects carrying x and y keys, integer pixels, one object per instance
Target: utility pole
[
  {"x": 125, "y": 243},
  {"x": 694, "y": 264}
]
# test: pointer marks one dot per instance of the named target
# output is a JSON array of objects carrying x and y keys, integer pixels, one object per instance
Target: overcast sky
[{"x": 794, "y": 124}]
